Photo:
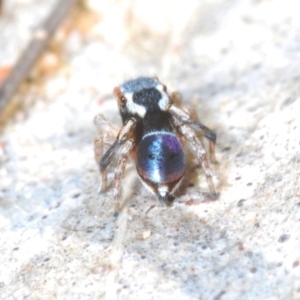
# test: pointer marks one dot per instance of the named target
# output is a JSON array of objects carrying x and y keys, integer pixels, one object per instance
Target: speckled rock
[{"x": 236, "y": 64}]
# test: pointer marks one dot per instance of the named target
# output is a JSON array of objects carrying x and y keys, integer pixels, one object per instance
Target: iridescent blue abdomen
[{"x": 160, "y": 158}]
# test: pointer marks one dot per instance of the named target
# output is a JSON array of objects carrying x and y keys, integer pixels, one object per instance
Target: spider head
[{"x": 140, "y": 96}]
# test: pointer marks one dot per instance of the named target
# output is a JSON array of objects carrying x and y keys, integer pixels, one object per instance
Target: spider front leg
[
  {"x": 181, "y": 116},
  {"x": 184, "y": 125},
  {"x": 198, "y": 148},
  {"x": 106, "y": 134},
  {"x": 119, "y": 170},
  {"x": 100, "y": 140}
]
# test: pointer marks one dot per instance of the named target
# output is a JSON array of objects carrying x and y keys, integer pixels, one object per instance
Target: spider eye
[{"x": 122, "y": 100}]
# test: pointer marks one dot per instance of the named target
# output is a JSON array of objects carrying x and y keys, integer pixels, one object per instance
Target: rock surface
[{"x": 237, "y": 64}]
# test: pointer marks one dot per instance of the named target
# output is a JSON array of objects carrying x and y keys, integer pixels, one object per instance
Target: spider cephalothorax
[{"x": 152, "y": 133}]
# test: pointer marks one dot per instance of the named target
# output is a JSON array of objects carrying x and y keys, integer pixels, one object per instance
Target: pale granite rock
[{"x": 237, "y": 65}]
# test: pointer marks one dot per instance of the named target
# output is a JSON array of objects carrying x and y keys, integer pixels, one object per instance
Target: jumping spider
[{"x": 154, "y": 130}]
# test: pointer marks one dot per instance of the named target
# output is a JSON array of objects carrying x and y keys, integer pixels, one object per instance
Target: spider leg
[
  {"x": 106, "y": 132},
  {"x": 198, "y": 148},
  {"x": 182, "y": 117},
  {"x": 119, "y": 170},
  {"x": 183, "y": 124},
  {"x": 106, "y": 135},
  {"x": 104, "y": 162}
]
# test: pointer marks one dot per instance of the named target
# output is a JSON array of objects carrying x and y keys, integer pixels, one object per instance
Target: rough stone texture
[{"x": 237, "y": 65}]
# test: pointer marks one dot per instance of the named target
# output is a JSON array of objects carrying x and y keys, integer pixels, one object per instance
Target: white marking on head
[
  {"x": 164, "y": 102},
  {"x": 133, "y": 107}
]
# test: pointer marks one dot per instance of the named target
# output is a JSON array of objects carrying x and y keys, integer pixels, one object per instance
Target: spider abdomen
[{"x": 160, "y": 158}]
